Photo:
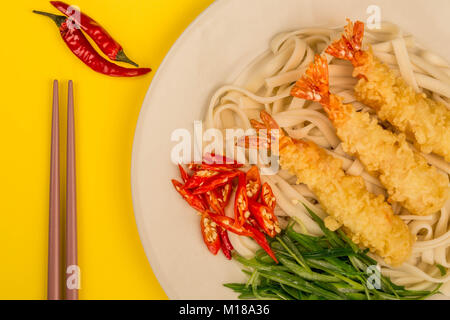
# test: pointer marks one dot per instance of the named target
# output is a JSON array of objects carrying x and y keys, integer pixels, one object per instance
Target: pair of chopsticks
[{"x": 71, "y": 270}]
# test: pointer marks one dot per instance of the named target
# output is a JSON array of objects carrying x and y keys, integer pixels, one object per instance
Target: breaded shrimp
[
  {"x": 367, "y": 218},
  {"x": 423, "y": 120},
  {"x": 406, "y": 175}
]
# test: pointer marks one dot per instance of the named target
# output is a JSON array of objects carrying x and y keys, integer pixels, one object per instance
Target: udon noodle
[{"x": 265, "y": 84}]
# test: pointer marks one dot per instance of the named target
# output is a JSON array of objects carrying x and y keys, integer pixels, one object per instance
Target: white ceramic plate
[{"x": 210, "y": 53}]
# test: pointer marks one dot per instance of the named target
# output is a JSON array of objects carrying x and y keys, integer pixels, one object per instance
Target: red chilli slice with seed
[
  {"x": 216, "y": 181},
  {"x": 241, "y": 212},
  {"x": 210, "y": 234},
  {"x": 214, "y": 202},
  {"x": 199, "y": 178},
  {"x": 265, "y": 218},
  {"x": 194, "y": 201},
  {"x": 267, "y": 196},
  {"x": 223, "y": 194},
  {"x": 253, "y": 185}
]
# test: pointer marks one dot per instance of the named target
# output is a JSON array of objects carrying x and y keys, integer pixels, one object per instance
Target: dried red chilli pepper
[
  {"x": 241, "y": 212},
  {"x": 216, "y": 181},
  {"x": 225, "y": 243},
  {"x": 267, "y": 196},
  {"x": 96, "y": 32},
  {"x": 80, "y": 46},
  {"x": 210, "y": 234},
  {"x": 265, "y": 218},
  {"x": 194, "y": 201},
  {"x": 253, "y": 185},
  {"x": 225, "y": 240}
]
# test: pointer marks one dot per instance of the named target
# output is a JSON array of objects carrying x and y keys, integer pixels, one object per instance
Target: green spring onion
[{"x": 317, "y": 268}]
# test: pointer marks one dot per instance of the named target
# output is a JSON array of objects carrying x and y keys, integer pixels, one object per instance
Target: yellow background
[{"x": 112, "y": 260}]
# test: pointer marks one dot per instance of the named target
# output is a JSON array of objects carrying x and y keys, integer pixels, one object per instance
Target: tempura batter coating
[
  {"x": 369, "y": 220},
  {"x": 423, "y": 120},
  {"x": 408, "y": 178}
]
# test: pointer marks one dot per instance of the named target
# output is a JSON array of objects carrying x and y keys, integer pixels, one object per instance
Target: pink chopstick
[
  {"x": 72, "y": 269},
  {"x": 54, "y": 248}
]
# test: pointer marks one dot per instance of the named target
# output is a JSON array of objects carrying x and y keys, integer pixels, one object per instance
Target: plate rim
[{"x": 170, "y": 293}]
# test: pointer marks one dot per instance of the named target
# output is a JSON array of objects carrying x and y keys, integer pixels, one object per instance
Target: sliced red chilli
[
  {"x": 253, "y": 185},
  {"x": 267, "y": 196},
  {"x": 210, "y": 234},
  {"x": 194, "y": 201}
]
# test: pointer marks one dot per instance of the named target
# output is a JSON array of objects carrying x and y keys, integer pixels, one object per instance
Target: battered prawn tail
[
  {"x": 314, "y": 86},
  {"x": 268, "y": 132},
  {"x": 268, "y": 121},
  {"x": 350, "y": 44},
  {"x": 272, "y": 132}
]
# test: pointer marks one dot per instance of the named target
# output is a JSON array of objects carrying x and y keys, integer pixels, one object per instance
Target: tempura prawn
[
  {"x": 408, "y": 178},
  {"x": 424, "y": 121},
  {"x": 367, "y": 218}
]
